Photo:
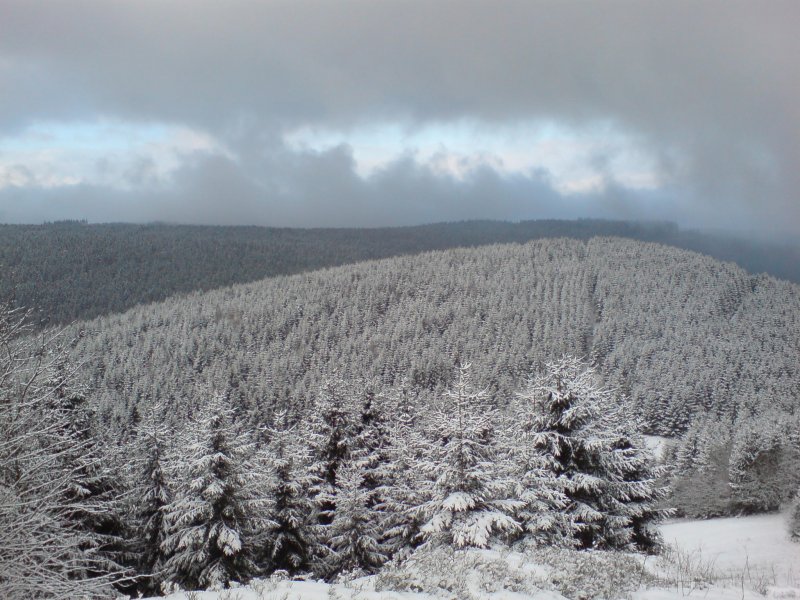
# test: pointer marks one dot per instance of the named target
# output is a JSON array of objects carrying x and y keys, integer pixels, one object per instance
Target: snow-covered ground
[
  {"x": 758, "y": 543},
  {"x": 749, "y": 558}
]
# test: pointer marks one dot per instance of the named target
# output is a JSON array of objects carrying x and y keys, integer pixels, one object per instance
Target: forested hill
[
  {"x": 72, "y": 270},
  {"x": 677, "y": 331}
]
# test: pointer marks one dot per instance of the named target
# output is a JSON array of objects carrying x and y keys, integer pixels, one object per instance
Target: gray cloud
[
  {"x": 712, "y": 89},
  {"x": 287, "y": 188}
]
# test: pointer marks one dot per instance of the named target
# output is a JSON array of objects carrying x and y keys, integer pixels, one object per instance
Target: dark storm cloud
[{"x": 711, "y": 88}]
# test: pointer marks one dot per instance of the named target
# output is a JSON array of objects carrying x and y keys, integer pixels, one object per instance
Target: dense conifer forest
[
  {"x": 679, "y": 333},
  {"x": 326, "y": 423},
  {"x": 72, "y": 270}
]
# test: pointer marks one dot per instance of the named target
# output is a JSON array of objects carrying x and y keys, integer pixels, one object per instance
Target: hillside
[
  {"x": 680, "y": 333},
  {"x": 378, "y": 419},
  {"x": 72, "y": 270}
]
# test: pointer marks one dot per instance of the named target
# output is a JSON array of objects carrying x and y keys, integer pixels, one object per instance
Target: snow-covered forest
[
  {"x": 72, "y": 270},
  {"x": 678, "y": 333},
  {"x": 336, "y": 424}
]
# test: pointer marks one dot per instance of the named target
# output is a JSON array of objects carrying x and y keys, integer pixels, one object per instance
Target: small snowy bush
[
  {"x": 466, "y": 574},
  {"x": 444, "y": 572},
  {"x": 593, "y": 574}
]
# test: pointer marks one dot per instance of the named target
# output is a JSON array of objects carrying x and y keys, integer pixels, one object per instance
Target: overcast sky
[{"x": 337, "y": 113}]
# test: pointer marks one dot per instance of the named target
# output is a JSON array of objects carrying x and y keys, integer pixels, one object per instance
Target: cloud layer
[{"x": 711, "y": 90}]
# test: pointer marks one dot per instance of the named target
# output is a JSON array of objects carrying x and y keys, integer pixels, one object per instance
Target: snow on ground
[
  {"x": 759, "y": 543},
  {"x": 714, "y": 593}
]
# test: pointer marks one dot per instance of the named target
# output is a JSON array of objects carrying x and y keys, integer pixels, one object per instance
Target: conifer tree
[
  {"x": 701, "y": 483},
  {"x": 755, "y": 472},
  {"x": 542, "y": 515},
  {"x": 404, "y": 490},
  {"x": 290, "y": 541},
  {"x": 152, "y": 497},
  {"x": 604, "y": 474},
  {"x": 354, "y": 535},
  {"x": 216, "y": 515},
  {"x": 468, "y": 498},
  {"x": 331, "y": 437}
]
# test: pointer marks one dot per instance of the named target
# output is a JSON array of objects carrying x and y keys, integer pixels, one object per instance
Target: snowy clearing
[{"x": 759, "y": 544}]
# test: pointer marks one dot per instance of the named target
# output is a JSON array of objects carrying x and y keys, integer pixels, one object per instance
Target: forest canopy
[{"x": 73, "y": 270}]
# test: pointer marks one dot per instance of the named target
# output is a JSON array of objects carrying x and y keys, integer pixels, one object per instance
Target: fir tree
[
  {"x": 468, "y": 498},
  {"x": 152, "y": 498},
  {"x": 290, "y": 541},
  {"x": 605, "y": 477},
  {"x": 404, "y": 490},
  {"x": 214, "y": 519},
  {"x": 354, "y": 535},
  {"x": 331, "y": 437}
]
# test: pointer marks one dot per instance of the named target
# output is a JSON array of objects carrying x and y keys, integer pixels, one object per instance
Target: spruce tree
[
  {"x": 354, "y": 535},
  {"x": 152, "y": 497},
  {"x": 701, "y": 486},
  {"x": 542, "y": 493},
  {"x": 290, "y": 540},
  {"x": 331, "y": 435},
  {"x": 216, "y": 514},
  {"x": 468, "y": 497},
  {"x": 44, "y": 554},
  {"x": 756, "y": 477},
  {"x": 404, "y": 489},
  {"x": 603, "y": 472}
]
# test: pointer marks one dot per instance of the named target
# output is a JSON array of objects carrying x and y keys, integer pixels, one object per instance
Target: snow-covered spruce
[
  {"x": 290, "y": 541},
  {"x": 599, "y": 473},
  {"x": 468, "y": 496},
  {"x": 150, "y": 499},
  {"x": 330, "y": 435},
  {"x": 354, "y": 535},
  {"x": 404, "y": 491},
  {"x": 216, "y": 514},
  {"x": 760, "y": 473}
]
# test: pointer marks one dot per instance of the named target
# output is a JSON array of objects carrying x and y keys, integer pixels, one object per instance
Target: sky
[{"x": 383, "y": 112}]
